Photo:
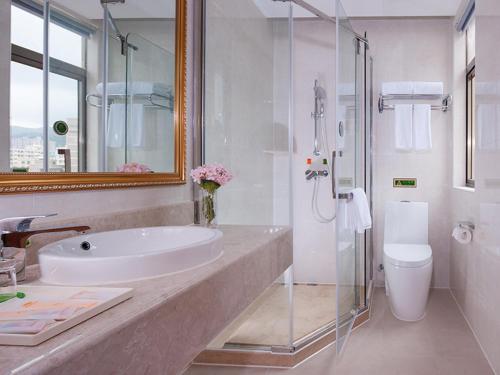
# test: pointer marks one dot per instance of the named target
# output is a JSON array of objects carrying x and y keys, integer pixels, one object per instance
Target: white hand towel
[
  {"x": 116, "y": 125},
  {"x": 428, "y": 88},
  {"x": 422, "y": 134},
  {"x": 403, "y": 118},
  {"x": 360, "y": 211},
  {"x": 486, "y": 127},
  {"x": 136, "y": 125},
  {"x": 397, "y": 88}
]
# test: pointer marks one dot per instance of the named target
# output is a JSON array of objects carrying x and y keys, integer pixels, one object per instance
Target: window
[
  {"x": 470, "y": 105},
  {"x": 67, "y": 80},
  {"x": 471, "y": 128}
]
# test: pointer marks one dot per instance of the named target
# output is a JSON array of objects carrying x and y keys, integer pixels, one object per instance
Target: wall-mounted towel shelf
[
  {"x": 445, "y": 101},
  {"x": 150, "y": 100}
]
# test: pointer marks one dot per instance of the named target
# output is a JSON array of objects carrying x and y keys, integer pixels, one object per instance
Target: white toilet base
[{"x": 408, "y": 290}]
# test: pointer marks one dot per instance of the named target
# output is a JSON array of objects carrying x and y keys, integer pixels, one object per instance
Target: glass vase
[{"x": 208, "y": 208}]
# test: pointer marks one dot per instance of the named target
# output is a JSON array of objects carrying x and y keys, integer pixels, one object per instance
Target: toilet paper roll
[{"x": 462, "y": 235}]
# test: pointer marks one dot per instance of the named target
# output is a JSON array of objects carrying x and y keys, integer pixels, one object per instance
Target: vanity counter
[{"x": 170, "y": 319}]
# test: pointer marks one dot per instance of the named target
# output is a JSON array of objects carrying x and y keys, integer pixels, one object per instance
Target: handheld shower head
[{"x": 319, "y": 92}]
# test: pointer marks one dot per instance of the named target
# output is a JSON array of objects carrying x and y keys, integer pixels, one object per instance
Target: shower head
[{"x": 319, "y": 92}]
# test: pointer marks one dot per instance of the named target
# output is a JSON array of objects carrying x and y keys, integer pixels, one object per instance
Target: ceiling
[
  {"x": 368, "y": 8},
  {"x": 91, "y": 9}
]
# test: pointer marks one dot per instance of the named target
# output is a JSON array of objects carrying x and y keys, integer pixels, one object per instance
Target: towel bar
[
  {"x": 445, "y": 101},
  {"x": 152, "y": 100},
  {"x": 347, "y": 196}
]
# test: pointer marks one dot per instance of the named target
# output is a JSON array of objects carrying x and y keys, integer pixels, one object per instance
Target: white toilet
[{"x": 407, "y": 258}]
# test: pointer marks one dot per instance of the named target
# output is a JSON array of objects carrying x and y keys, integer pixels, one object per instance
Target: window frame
[
  {"x": 34, "y": 59},
  {"x": 470, "y": 132}
]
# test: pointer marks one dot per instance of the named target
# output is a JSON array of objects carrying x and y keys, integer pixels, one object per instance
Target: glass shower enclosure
[
  {"x": 256, "y": 59},
  {"x": 350, "y": 171}
]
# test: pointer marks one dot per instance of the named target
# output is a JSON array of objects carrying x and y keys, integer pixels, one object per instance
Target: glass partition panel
[
  {"x": 346, "y": 174},
  {"x": 246, "y": 111},
  {"x": 246, "y": 127},
  {"x": 150, "y": 96}
]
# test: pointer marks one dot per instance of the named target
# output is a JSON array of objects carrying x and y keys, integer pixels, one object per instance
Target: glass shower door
[{"x": 348, "y": 165}]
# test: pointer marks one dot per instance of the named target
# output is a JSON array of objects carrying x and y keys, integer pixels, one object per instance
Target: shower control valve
[{"x": 316, "y": 168}]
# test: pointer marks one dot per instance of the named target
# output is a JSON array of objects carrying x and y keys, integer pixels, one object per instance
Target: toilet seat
[{"x": 408, "y": 255}]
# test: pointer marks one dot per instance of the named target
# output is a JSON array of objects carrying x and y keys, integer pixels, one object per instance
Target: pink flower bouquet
[
  {"x": 133, "y": 168},
  {"x": 210, "y": 177}
]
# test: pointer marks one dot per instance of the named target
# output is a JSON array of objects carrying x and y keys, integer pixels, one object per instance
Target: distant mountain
[{"x": 21, "y": 131}]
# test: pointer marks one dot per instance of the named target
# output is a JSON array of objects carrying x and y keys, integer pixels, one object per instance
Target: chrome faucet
[
  {"x": 16, "y": 224},
  {"x": 15, "y": 232}
]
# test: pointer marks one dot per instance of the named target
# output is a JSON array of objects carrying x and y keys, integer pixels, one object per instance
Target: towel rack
[
  {"x": 347, "y": 196},
  {"x": 153, "y": 100},
  {"x": 446, "y": 101}
]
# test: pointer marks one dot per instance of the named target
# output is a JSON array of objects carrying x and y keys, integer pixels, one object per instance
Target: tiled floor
[
  {"x": 266, "y": 321},
  {"x": 440, "y": 344}
]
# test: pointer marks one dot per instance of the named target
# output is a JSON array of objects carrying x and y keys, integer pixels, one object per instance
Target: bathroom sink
[{"x": 127, "y": 255}]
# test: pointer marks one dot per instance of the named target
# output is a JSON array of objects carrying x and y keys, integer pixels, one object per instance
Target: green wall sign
[{"x": 404, "y": 182}]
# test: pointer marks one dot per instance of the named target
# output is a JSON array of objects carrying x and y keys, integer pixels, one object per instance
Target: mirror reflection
[{"x": 106, "y": 103}]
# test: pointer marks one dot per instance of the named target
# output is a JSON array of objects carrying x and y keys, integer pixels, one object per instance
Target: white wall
[
  {"x": 412, "y": 50},
  {"x": 240, "y": 105},
  {"x": 75, "y": 204},
  {"x": 475, "y": 268}
]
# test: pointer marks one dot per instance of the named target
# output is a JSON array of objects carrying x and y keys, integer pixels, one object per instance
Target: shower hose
[{"x": 323, "y": 143}]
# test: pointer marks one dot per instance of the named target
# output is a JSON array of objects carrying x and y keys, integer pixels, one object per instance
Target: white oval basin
[{"x": 126, "y": 255}]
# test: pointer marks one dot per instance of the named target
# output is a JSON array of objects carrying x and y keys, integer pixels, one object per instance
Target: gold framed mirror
[{"x": 71, "y": 155}]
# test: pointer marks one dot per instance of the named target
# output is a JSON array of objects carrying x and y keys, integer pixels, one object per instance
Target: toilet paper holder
[{"x": 466, "y": 225}]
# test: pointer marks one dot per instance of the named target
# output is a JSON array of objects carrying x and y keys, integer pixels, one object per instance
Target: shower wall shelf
[
  {"x": 446, "y": 101},
  {"x": 151, "y": 100}
]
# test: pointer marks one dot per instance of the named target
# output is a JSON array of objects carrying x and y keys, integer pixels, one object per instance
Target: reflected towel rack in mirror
[
  {"x": 445, "y": 101},
  {"x": 151, "y": 100}
]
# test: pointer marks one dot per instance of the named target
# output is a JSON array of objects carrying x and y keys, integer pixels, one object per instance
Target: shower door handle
[
  {"x": 334, "y": 188},
  {"x": 347, "y": 196}
]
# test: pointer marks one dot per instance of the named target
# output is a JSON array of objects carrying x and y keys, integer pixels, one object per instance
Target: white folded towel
[
  {"x": 358, "y": 212},
  {"x": 346, "y": 88},
  {"x": 487, "y": 88},
  {"x": 403, "y": 119},
  {"x": 422, "y": 136},
  {"x": 136, "y": 88},
  {"x": 397, "y": 88},
  {"x": 428, "y": 88},
  {"x": 116, "y": 125},
  {"x": 136, "y": 125},
  {"x": 487, "y": 127}
]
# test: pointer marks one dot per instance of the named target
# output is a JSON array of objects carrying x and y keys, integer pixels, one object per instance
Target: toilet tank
[{"x": 406, "y": 222}]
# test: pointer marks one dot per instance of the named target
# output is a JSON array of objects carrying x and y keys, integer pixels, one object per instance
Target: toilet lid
[{"x": 408, "y": 255}]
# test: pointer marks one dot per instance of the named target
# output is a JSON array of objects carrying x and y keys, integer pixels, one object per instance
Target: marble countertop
[{"x": 170, "y": 319}]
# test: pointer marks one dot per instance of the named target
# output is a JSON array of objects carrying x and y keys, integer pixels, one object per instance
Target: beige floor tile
[
  {"x": 462, "y": 366},
  {"x": 266, "y": 321}
]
